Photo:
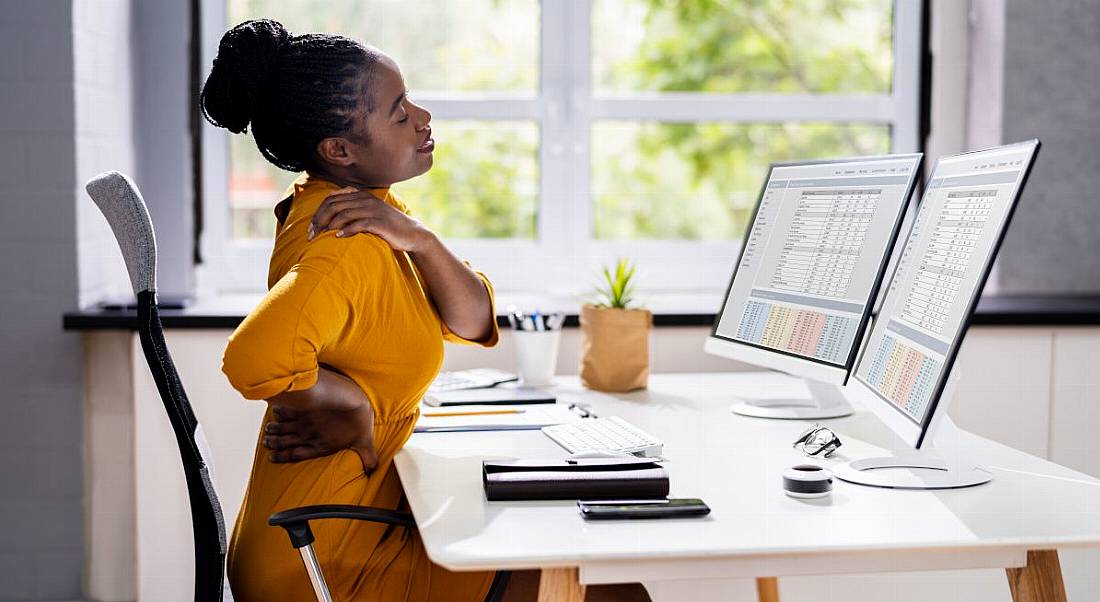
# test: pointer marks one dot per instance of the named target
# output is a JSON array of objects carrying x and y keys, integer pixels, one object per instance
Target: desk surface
[{"x": 734, "y": 463}]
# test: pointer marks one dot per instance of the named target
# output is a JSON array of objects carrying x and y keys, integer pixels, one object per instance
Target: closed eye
[{"x": 404, "y": 99}]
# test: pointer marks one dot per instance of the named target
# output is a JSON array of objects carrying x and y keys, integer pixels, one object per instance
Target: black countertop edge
[{"x": 998, "y": 310}]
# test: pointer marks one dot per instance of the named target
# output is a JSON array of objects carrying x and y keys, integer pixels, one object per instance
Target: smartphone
[{"x": 626, "y": 509}]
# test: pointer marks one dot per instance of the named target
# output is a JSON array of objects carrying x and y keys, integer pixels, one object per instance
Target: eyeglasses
[{"x": 818, "y": 441}]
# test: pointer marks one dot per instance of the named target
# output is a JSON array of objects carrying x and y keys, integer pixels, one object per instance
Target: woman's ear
[{"x": 335, "y": 151}]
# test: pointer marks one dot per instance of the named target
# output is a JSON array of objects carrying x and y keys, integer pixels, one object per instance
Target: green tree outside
[{"x": 700, "y": 180}]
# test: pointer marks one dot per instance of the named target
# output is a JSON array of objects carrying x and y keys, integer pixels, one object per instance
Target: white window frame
[{"x": 564, "y": 258}]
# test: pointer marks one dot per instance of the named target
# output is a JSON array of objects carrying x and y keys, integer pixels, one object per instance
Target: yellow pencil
[{"x": 474, "y": 412}]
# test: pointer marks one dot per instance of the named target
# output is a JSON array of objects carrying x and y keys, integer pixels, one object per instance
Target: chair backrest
[{"x": 120, "y": 202}]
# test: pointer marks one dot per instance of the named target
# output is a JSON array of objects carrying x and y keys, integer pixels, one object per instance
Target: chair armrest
[{"x": 296, "y": 520}]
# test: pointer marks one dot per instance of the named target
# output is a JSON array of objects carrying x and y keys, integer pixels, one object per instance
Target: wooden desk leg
[
  {"x": 561, "y": 585},
  {"x": 1040, "y": 580},
  {"x": 767, "y": 589}
]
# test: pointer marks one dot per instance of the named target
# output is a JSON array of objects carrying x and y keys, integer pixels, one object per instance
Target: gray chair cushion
[{"x": 120, "y": 202}]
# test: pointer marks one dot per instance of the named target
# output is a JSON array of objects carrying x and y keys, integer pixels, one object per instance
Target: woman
[{"x": 351, "y": 332}]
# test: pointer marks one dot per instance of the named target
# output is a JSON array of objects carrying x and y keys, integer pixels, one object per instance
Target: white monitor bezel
[
  {"x": 912, "y": 433},
  {"x": 783, "y": 361}
]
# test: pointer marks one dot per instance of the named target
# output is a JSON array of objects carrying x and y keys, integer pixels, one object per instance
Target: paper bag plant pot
[{"x": 614, "y": 348}]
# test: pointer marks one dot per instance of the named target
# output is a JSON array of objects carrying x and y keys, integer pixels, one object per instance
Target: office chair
[{"x": 121, "y": 203}]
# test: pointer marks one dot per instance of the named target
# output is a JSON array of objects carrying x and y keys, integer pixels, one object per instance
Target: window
[{"x": 571, "y": 132}]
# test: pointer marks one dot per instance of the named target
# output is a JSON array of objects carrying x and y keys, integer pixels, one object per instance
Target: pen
[{"x": 475, "y": 412}]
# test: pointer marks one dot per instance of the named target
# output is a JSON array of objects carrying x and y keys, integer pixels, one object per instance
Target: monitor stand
[
  {"x": 937, "y": 466},
  {"x": 825, "y": 401}
]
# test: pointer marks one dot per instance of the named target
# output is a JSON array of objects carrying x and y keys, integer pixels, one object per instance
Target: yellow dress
[{"x": 357, "y": 305}]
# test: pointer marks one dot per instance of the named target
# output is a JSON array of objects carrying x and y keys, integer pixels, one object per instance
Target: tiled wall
[
  {"x": 64, "y": 115},
  {"x": 1050, "y": 92},
  {"x": 40, "y": 432}
]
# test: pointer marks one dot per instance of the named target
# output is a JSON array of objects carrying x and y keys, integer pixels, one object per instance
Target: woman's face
[{"x": 400, "y": 138}]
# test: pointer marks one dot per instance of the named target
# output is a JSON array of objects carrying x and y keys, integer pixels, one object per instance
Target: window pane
[
  {"x": 699, "y": 181},
  {"x": 457, "y": 45},
  {"x": 733, "y": 46},
  {"x": 484, "y": 183},
  {"x": 254, "y": 187}
]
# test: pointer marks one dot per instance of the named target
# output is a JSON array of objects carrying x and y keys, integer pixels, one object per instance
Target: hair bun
[{"x": 242, "y": 74}]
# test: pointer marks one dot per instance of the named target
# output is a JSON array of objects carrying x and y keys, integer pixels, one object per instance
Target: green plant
[{"x": 618, "y": 291}]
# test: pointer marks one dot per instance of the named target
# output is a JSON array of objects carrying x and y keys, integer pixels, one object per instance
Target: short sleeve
[
  {"x": 275, "y": 348},
  {"x": 493, "y": 337}
]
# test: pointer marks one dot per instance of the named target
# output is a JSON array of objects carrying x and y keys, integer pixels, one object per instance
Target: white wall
[{"x": 669, "y": 351}]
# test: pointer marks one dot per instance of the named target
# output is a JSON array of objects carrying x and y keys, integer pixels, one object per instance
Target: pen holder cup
[{"x": 536, "y": 356}]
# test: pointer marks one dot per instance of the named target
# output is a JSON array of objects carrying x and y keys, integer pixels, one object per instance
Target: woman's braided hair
[{"x": 294, "y": 90}]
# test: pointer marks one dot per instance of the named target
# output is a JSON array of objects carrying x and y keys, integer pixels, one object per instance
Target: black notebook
[{"x": 586, "y": 479}]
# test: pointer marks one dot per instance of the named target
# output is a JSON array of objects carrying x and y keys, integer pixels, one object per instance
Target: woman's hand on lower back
[
  {"x": 332, "y": 415},
  {"x": 294, "y": 434},
  {"x": 350, "y": 211}
]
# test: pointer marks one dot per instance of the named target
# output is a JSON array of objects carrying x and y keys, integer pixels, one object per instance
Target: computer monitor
[
  {"x": 811, "y": 264},
  {"x": 905, "y": 373}
]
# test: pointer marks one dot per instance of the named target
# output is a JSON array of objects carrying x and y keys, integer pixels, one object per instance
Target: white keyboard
[
  {"x": 604, "y": 434},
  {"x": 476, "y": 378}
]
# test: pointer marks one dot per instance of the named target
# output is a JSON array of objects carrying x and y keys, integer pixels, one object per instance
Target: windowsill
[{"x": 669, "y": 310}]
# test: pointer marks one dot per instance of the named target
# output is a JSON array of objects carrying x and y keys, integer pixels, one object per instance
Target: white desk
[{"x": 754, "y": 530}]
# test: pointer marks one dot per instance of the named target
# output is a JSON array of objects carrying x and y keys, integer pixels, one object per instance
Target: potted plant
[{"x": 615, "y": 337}]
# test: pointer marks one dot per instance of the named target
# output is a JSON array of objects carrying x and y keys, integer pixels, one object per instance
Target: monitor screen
[
  {"x": 944, "y": 264},
  {"x": 814, "y": 256}
]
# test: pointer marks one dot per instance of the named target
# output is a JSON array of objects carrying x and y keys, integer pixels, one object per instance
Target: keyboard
[
  {"x": 604, "y": 434},
  {"x": 476, "y": 378}
]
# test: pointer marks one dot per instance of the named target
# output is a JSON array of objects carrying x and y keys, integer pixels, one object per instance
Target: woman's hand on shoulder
[{"x": 349, "y": 211}]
